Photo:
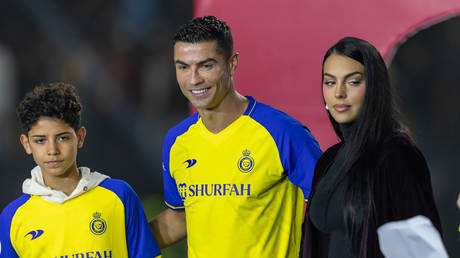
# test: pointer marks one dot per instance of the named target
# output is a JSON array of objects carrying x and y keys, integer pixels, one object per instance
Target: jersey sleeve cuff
[{"x": 174, "y": 207}]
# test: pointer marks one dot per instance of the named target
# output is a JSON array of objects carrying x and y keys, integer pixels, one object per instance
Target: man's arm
[{"x": 169, "y": 227}]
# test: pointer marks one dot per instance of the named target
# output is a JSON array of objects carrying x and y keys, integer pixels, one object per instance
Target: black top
[
  {"x": 326, "y": 211},
  {"x": 401, "y": 190}
]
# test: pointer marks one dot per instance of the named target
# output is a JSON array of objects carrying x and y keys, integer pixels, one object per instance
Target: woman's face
[{"x": 344, "y": 87}]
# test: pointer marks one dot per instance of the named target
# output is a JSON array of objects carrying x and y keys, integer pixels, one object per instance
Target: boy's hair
[
  {"x": 58, "y": 100},
  {"x": 207, "y": 28}
]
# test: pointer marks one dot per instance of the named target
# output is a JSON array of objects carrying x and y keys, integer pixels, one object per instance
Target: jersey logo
[
  {"x": 35, "y": 234},
  {"x": 97, "y": 225},
  {"x": 246, "y": 163},
  {"x": 190, "y": 162},
  {"x": 182, "y": 190}
]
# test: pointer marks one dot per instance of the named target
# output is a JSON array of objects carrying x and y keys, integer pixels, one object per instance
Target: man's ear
[
  {"x": 81, "y": 134},
  {"x": 25, "y": 143},
  {"x": 233, "y": 62}
]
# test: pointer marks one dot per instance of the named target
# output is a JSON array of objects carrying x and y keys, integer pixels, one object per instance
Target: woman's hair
[{"x": 376, "y": 121}]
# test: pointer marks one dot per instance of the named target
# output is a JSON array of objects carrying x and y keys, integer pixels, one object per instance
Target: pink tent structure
[{"x": 281, "y": 44}]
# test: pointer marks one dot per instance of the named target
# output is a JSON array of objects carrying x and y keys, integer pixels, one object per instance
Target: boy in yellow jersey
[
  {"x": 68, "y": 211},
  {"x": 235, "y": 173}
]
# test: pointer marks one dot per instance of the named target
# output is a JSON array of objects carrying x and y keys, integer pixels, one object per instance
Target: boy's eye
[
  {"x": 64, "y": 138},
  {"x": 39, "y": 141}
]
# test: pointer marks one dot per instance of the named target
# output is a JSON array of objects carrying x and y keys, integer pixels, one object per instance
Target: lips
[
  {"x": 53, "y": 163},
  {"x": 341, "y": 107}
]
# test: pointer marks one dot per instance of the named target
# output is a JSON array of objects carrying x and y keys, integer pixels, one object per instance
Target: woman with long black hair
[{"x": 375, "y": 174}]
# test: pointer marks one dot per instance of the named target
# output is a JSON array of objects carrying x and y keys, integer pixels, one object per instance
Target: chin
[{"x": 342, "y": 120}]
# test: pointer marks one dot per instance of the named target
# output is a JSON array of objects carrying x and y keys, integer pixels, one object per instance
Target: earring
[{"x": 327, "y": 107}]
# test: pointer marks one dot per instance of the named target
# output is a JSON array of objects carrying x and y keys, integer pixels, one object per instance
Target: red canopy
[{"x": 281, "y": 44}]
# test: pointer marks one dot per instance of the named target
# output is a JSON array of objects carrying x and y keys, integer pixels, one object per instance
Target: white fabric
[
  {"x": 412, "y": 238},
  {"x": 36, "y": 186}
]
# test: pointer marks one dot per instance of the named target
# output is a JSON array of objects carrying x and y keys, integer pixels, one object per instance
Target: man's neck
[{"x": 229, "y": 110}]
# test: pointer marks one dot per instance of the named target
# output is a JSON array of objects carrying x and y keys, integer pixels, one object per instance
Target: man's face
[
  {"x": 204, "y": 74},
  {"x": 53, "y": 145}
]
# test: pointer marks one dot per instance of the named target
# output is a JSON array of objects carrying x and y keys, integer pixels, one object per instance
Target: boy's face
[{"x": 53, "y": 145}]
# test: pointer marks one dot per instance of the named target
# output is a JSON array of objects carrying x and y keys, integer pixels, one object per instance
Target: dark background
[
  {"x": 426, "y": 73},
  {"x": 119, "y": 55}
]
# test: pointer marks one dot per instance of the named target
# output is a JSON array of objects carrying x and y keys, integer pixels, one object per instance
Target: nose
[
  {"x": 52, "y": 148},
  {"x": 196, "y": 78},
  {"x": 340, "y": 91}
]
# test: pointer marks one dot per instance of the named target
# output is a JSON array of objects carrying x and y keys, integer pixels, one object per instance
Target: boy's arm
[
  {"x": 139, "y": 238},
  {"x": 6, "y": 248},
  {"x": 169, "y": 227}
]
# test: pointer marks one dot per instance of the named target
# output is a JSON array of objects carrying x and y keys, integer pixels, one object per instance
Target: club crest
[
  {"x": 97, "y": 224},
  {"x": 246, "y": 162}
]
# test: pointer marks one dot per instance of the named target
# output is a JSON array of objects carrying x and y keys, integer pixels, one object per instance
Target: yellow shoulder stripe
[{"x": 174, "y": 207}]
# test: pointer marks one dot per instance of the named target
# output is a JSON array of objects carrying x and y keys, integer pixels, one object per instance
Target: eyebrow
[
  {"x": 199, "y": 63},
  {"x": 346, "y": 76},
  {"x": 41, "y": 136}
]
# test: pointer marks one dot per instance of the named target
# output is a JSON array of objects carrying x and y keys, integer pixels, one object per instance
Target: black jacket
[{"x": 401, "y": 190}]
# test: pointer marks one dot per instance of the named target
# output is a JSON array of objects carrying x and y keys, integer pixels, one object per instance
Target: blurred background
[{"x": 119, "y": 56}]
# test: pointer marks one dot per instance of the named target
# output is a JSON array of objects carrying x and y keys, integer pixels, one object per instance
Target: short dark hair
[
  {"x": 207, "y": 28},
  {"x": 58, "y": 100}
]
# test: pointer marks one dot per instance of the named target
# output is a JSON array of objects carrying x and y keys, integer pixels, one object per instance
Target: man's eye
[{"x": 208, "y": 66}]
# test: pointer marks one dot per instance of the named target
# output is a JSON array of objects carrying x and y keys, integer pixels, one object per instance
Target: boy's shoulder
[
  {"x": 120, "y": 187},
  {"x": 9, "y": 211}
]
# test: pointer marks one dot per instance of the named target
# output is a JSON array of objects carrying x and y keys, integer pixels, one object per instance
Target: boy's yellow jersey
[
  {"x": 242, "y": 189},
  {"x": 107, "y": 221}
]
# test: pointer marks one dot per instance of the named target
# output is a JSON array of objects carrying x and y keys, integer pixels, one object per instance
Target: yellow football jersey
[
  {"x": 107, "y": 221},
  {"x": 243, "y": 188}
]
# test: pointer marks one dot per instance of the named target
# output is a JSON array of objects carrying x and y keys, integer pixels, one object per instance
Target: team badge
[
  {"x": 97, "y": 225},
  {"x": 246, "y": 163}
]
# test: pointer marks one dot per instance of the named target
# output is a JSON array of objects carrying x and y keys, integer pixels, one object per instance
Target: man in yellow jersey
[
  {"x": 236, "y": 172},
  {"x": 69, "y": 211}
]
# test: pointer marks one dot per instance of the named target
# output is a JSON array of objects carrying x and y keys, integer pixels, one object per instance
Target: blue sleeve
[
  {"x": 139, "y": 238},
  {"x": 172, "y": 196},
  {"x": 299, "y": 155},
  {"x": 6, "y": 247},
  {"x": 297, "y": 147}
]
